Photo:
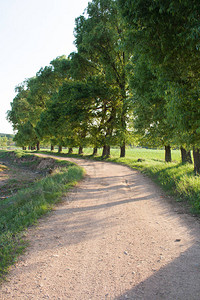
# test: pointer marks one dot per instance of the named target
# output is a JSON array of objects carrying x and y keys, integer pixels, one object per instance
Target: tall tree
[
  {"x": 167, "y": 34},
  {"x": 20, "y": 115},
  {"x": 150, "y": 112},
  {"x": 99, "y": 37},
  {"x": 32, "y": 98}
]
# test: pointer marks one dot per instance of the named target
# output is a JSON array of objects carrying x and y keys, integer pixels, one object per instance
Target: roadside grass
[
  {"x": 22, "y": 210},
  {"x": 175, "y": 178}
]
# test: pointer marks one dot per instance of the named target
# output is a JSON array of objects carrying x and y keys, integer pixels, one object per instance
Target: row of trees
[{"x": 135, "y": 76}]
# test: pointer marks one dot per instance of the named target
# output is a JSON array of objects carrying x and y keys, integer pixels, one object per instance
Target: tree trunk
[
  {"x": 80, "y": 150},
  {"x": 38, "y": 146},
  {"x": 52, "y": 147},
  {"x": 168, "y": 157},
  {"x": 123, "y": 150},
  {"x": 185, "y": 156},
  {"x": 94, "y": 151},
  {"x": 109, "y": 131},
  {"x": 59, "y": 149},
  {"x": 70, "y": 150},
  {"x": 106, "y": 151},
  {"x": 196, "y": 156}
]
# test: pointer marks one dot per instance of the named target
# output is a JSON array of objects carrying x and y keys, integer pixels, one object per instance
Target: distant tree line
[
  {"x": 6, "y": 140},
  {"x": 134, "y": 78}
]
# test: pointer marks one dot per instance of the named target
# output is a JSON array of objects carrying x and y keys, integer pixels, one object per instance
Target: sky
[{"x": 32, "y": 33}]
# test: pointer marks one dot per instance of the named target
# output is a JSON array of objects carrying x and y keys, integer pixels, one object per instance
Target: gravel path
[{"x": 114, "y": 236}]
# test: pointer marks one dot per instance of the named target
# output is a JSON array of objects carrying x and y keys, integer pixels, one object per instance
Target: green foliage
[
  {"x": 135, "y": 77},
  {"x": 32, "y": 98},
  {"x": 8, "y": 135},
  {"x": 151, "y": 124},
  {"x": 166, "y": 35},
  {"x": 99, "y": 37},
  {"x": 3, "y": 141}
]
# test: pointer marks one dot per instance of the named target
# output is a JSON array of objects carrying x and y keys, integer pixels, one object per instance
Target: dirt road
[{"x": 115, "y": 236}]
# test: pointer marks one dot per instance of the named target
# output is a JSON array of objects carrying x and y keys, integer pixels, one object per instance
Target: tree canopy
[{"x": 135, "y": 74}]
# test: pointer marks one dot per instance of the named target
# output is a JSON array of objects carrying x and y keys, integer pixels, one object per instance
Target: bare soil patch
[
  {"x": 19, "y": 173},
  {"x": 13, "y": 178},
  {"x": 115, "y": 236}
]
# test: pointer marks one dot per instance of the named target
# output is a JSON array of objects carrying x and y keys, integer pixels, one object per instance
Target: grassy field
[
  {"x": 132, "y": 153},
  {"x": 175, "y": 178},
  {"x": 21, "y": 210}
]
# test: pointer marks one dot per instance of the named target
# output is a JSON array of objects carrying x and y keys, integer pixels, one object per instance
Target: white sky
[{"x": 32, "y": 33}]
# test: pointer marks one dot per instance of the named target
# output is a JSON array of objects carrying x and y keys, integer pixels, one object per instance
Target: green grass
[
  {"x": 132, "y": 153},
  {"x": 175, "y": 178},
  {"x": 23, "y": 209}
]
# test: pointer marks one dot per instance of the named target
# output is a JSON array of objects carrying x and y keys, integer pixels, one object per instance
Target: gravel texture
[{"x": 114, "y": 236}]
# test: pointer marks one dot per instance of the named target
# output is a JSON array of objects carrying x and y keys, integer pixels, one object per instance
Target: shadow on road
[{"x": 179, "y": 280}]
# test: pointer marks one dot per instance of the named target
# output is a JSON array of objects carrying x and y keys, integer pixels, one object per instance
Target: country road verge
[{"x": 23, "y": 201}]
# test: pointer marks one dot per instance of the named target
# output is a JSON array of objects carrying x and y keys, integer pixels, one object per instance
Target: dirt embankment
[
  {"x": 18, "y": 173},
  {"x": 114, "y": 237}
]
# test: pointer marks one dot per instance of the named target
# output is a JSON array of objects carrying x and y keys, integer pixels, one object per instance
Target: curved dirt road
[{"x": 115, "y": 236}]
